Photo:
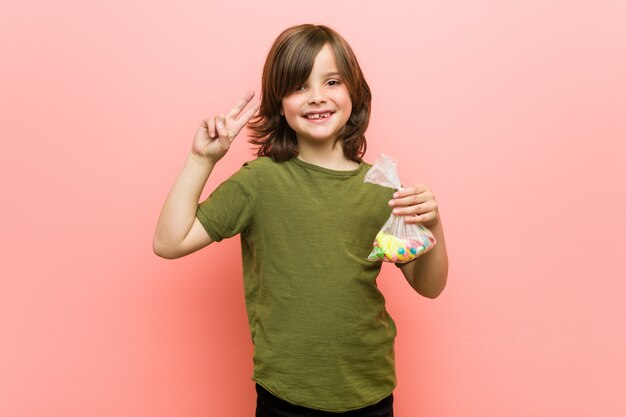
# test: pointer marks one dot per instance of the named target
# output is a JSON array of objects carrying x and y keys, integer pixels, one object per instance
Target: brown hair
[{"x": 288, "y": 64}]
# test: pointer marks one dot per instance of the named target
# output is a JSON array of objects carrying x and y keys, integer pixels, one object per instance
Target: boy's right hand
[{"x": 215, "y": 134}]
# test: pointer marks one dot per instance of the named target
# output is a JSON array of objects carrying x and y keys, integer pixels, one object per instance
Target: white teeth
[{"x": 318, "y": 116}]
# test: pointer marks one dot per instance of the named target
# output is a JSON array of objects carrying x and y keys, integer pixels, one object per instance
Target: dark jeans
[{"x": 268, "y": 405}]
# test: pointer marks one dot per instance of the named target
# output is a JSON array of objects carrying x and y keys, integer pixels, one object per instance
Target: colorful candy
[
  {"x": 390, "y": 248},
  {"x": 397, "y": 241}
]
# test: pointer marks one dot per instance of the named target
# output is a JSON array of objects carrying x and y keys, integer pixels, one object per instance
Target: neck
[{"x": 324, "y": 155}]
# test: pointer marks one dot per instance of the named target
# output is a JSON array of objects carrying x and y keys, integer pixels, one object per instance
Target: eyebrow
[{"x": 332, "y": 74}]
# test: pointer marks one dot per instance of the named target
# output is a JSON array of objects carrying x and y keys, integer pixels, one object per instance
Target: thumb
[{"x": 223, "y": 137}]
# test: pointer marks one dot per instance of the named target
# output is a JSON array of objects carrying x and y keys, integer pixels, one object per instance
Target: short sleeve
[{"x": 230, "y": 207}]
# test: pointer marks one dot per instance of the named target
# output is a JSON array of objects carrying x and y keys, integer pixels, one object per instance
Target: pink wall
[{"x": 514, "y": 113}]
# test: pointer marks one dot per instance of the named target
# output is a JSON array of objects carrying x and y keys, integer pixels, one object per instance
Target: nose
[{"x": 316, "y": 96}]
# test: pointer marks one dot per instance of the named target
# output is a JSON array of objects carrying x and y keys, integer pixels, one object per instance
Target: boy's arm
[
  {"x": 428, "y": 273},
  {"x": 178, "y": 231}
]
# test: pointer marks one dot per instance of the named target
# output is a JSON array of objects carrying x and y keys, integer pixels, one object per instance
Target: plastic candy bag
[{"x": 397, "y": 241}]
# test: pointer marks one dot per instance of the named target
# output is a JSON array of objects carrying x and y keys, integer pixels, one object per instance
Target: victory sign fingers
[
  {"x": 216, "y": 133},
  {"x": 235, "y": 120},
  {"x": 230, "y": 121}
]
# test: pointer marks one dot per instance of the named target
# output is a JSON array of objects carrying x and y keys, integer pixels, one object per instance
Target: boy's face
[{"x": 319, "y": 108}]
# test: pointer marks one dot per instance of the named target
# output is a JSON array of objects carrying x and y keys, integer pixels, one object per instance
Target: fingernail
[
  {"x": 391, "y": 202},
  {"x": 395, "y": 195}
]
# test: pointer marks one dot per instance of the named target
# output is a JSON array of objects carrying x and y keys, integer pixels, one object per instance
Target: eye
[
  {"x": 300, "y": 87},
  {"x": 334, "y": 82}
]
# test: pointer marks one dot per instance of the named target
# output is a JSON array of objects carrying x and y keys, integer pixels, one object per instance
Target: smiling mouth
[{"x": 318, "y": 116}]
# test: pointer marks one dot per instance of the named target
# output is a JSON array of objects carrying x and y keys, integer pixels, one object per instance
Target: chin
[{"x": 318, "y": 139}]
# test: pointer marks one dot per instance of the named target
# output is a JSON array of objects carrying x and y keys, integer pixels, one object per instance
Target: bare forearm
[
  {"x": 178, "y": 232},
  {"x": 428, "y": 274},
  {"x": 179, "y": 210}
]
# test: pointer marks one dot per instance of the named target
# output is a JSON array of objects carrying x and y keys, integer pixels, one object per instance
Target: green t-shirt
[{"x": 322, "y": 336}]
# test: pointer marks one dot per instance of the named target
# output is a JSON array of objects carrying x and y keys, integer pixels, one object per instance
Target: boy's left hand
[{"x": 417, "y": 204}]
